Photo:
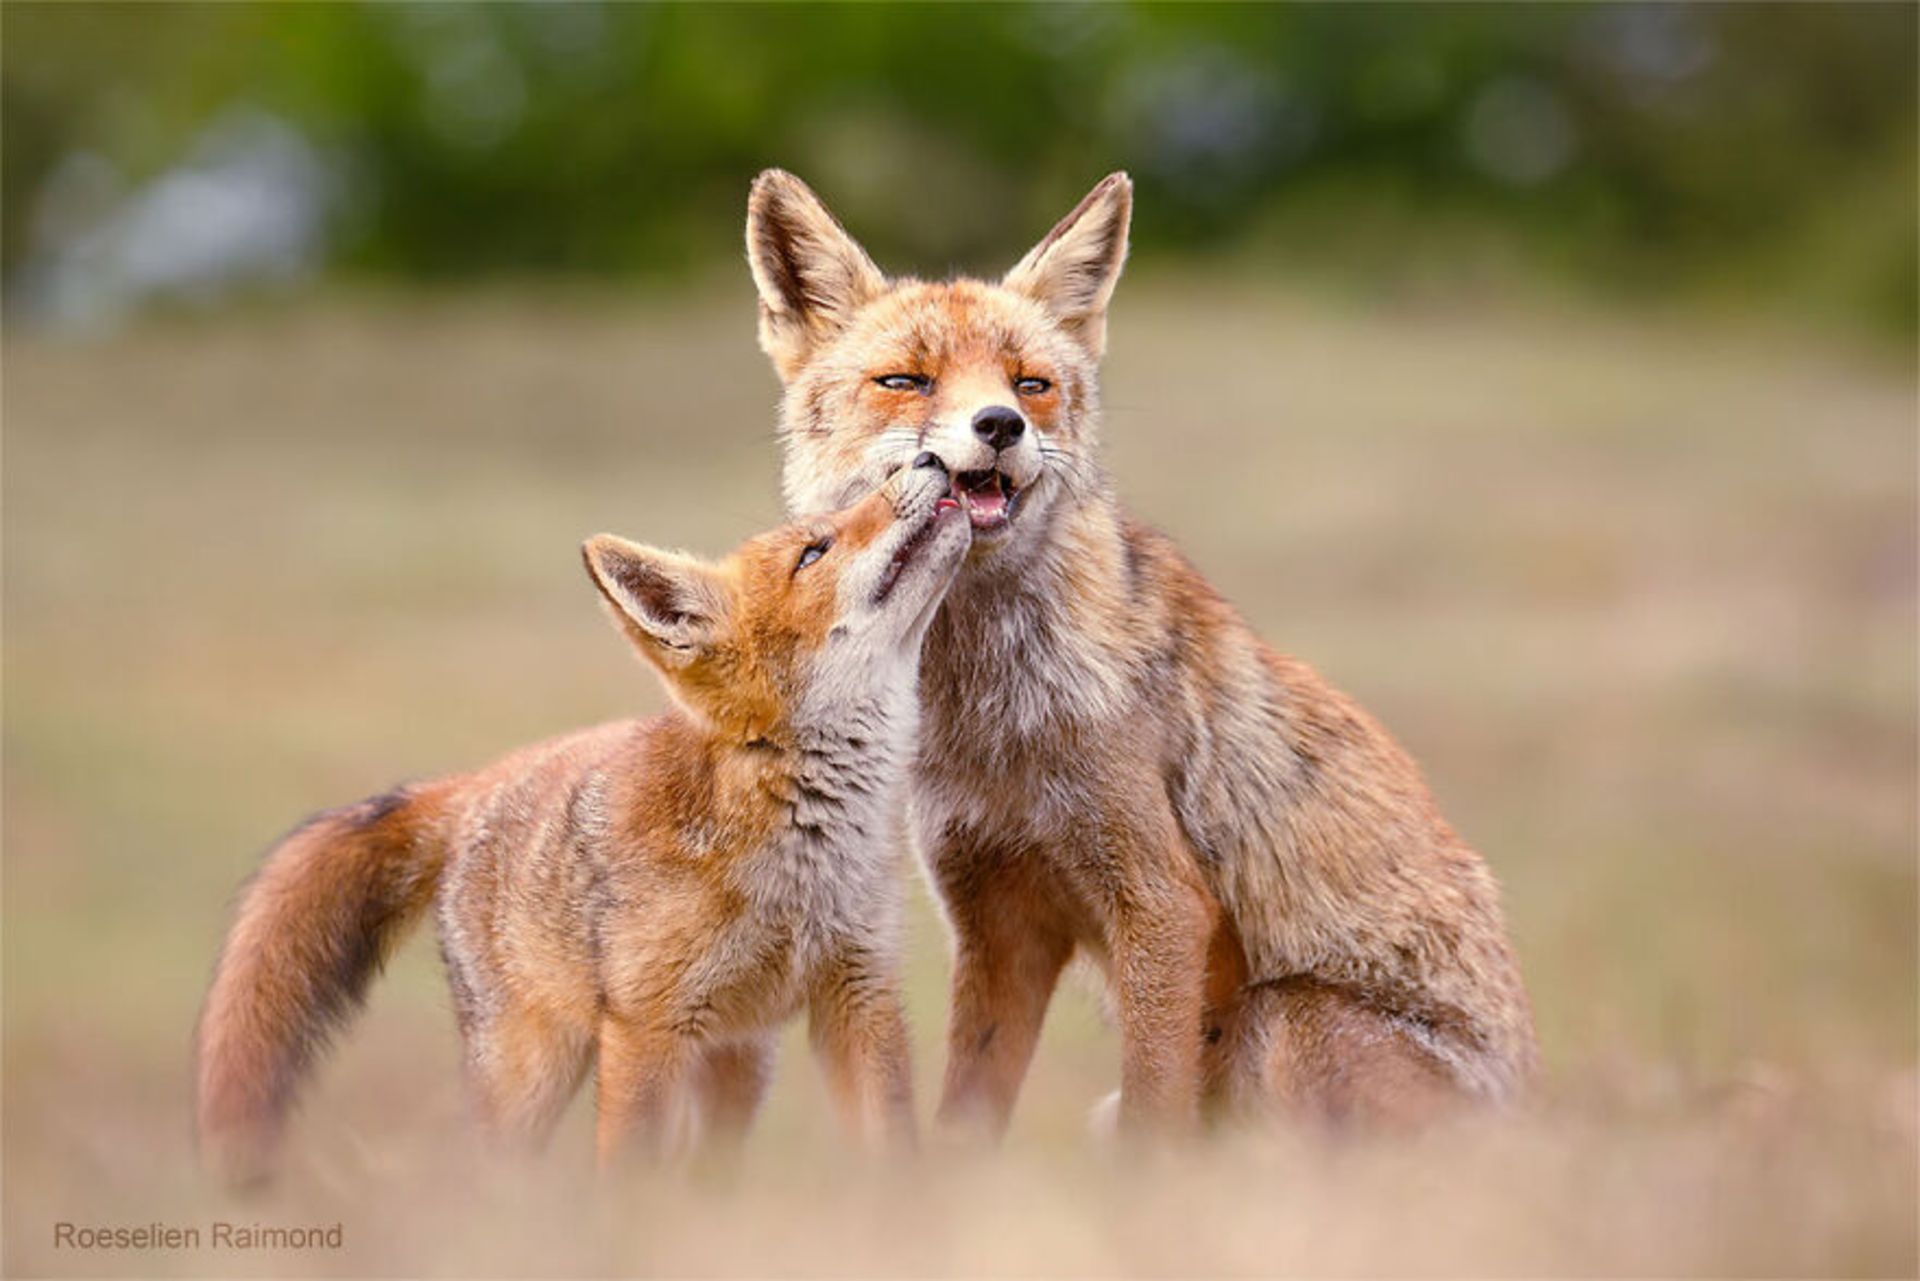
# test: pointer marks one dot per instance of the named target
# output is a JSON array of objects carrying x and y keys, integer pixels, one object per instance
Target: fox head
[
  {"x": 997, "y": 380},
  {"x": 801, "y": 624}
]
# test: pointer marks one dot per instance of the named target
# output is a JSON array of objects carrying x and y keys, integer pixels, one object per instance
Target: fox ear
[
  {"x": 811, "y": 274},
  {"x": 671, "y": 606},
  {"x": 1072, "y": 271}
]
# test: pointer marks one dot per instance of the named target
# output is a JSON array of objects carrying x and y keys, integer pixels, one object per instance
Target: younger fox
[{"x": 661, "y": 894}]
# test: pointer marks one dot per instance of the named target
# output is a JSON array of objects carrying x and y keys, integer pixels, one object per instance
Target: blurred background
[
  {"x": 1764, "y": 154},
  {"x": 1544, "y": 374}
]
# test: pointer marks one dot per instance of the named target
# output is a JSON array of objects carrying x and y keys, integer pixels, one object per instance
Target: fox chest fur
[
  {"x": 714, "y": 921},
  {"x": 1036, "y": 744}
]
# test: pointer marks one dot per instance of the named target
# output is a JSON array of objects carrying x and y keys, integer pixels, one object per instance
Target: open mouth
[
  {"x": 911, "y": 548},
  {"x": 988, "y": 497}
]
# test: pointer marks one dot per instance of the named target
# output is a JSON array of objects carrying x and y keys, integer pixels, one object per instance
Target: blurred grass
[{"x": 1641, "y": 598}]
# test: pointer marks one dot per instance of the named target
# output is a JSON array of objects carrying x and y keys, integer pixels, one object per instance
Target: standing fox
[
  {"x": 1112, "y": 761},
  {"x": 660, "y": 893}
]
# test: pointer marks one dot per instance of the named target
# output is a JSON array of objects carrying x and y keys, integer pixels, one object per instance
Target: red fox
[
  {"x": 661, "y": 894},
  {"x": 1111, "y": 761}
]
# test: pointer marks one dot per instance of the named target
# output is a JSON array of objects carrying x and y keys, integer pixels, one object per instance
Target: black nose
[
  {"x": 998, "y": 425},
  {"x": 927, "y": 458}
]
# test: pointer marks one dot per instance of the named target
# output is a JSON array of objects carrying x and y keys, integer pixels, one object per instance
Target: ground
[{"x": 1638, "y": 591}]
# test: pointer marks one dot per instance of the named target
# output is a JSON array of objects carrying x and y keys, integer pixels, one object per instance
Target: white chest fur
[{"x": 831, "y": 879}]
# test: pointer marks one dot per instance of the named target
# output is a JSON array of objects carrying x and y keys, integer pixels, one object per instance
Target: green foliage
[{"x": 1769, "y": 149}]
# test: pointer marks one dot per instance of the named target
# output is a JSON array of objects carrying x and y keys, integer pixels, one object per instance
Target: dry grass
[{"x": 1643, "y": 599}]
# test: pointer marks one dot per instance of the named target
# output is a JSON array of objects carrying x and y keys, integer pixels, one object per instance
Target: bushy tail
[{"x": 313, "y": 927}]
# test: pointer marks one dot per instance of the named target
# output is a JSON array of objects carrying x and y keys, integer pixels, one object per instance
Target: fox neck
[
  {"x": 1020, "y": 639},
  {"x": 826, "y": 771},
  {"x": 829, "y": 794}
]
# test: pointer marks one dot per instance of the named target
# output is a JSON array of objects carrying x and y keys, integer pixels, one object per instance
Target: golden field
[{"x": 1639, "y": 593}]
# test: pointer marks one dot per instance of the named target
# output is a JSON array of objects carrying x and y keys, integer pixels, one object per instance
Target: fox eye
[
  {"x": 904, "y": 382},
  {"x": 1031, "y": 386},
  {"x": 814, "y": 551}
]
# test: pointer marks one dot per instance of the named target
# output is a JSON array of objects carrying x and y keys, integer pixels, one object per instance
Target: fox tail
[{"x": 312, "y": 929}]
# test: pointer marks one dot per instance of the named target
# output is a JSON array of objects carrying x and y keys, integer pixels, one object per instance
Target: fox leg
[
  {"x": 1009, "y": 948},
  {"x": 859, "y": 1032},
  {"x": 523, "y": 1066},
  {"x": 643, "y": 1068},
  {"x": 729, "y": 1086},
  {"x": 1159, "y": 943}
]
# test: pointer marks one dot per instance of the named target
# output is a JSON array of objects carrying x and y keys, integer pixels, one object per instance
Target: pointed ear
[
  {"x": 1073, "y": 271},
  {"x": 811, "y": 274},
  {"x": 671, "y": 606}
]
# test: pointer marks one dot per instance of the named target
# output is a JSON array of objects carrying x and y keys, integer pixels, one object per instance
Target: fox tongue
[{"x": 985, "y": 497}]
